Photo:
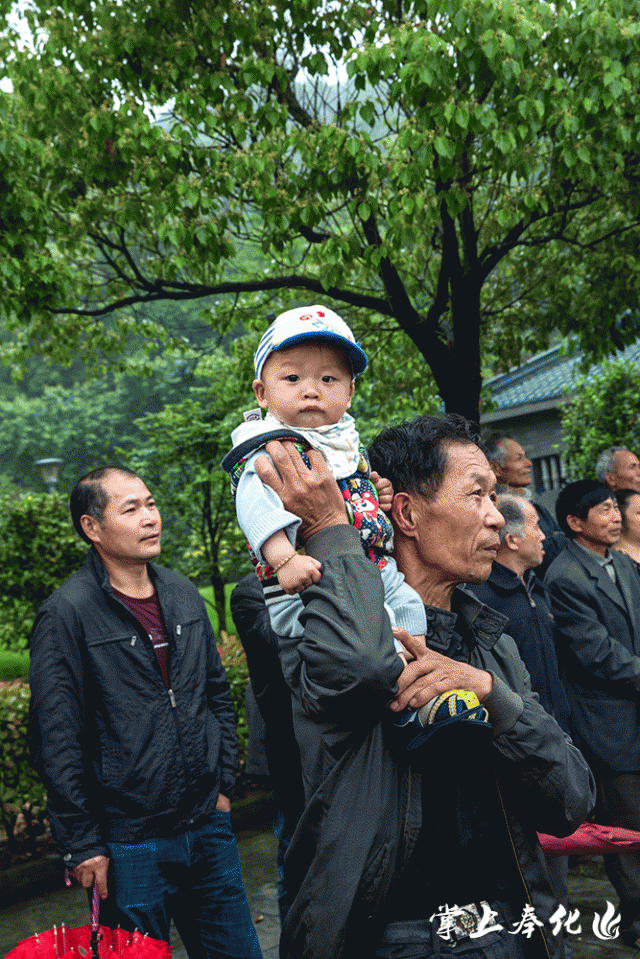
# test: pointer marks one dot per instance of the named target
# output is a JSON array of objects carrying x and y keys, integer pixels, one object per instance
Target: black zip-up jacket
[
  {"x": 532, "y": 626},
  {"x": 364, "y": 801},
  {"x": 123, "y": 758}
]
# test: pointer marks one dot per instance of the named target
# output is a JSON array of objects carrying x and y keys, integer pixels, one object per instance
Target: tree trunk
[
  {"x": 218, "y": 597},
  {"x": 455, "y": 365}
]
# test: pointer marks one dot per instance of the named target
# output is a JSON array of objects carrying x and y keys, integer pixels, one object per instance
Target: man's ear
[
  {"x": 608, "y": 477},
  {"x": 497, "y": 470},
  {"x": 258, "y": 389},
  {"x": 510, "y": 540},
  {"x": 404, "y": 515},
  {"x": 574, "y": 523},
  {"x": 90, "y": 527}
]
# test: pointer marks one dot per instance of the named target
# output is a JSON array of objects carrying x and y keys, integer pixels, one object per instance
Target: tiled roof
[{"x": 545, "y": 377}]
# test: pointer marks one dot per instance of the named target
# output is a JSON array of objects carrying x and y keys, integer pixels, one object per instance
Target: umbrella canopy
[
  {"x": 90, "y": 942},
  {"x": 590, "y": 839},
  {"x": 63, "y": 943}
]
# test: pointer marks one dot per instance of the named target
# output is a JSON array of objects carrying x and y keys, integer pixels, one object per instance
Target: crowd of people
[{"x": 444, "y": 670}]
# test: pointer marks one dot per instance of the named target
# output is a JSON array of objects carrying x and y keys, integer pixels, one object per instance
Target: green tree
[
  {"x": 179, "y": 454},
  {"x": 87, "y": 423},
  {"x": 602, "y": 412},
  {"x": 456, "y": 171}
]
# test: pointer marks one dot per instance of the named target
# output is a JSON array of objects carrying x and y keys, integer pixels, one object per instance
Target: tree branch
[{"x": 353, "y": 298}]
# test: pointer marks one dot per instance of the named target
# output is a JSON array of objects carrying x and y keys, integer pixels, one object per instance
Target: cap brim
[{"x": 356, "y": 354}]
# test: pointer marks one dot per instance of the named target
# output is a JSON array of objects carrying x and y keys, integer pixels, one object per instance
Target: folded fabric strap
[{"x": 590, "y": 839}]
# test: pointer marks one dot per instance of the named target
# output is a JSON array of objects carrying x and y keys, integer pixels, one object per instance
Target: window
[{"x": 547, "y": 472}]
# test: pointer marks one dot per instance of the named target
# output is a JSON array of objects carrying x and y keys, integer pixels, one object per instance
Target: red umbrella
[
  {"x": 590, "y": 839},
  {"x": 94, "y": 941}
]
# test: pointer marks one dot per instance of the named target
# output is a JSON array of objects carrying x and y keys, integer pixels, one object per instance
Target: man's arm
[
  {"x": 545, "y": 773},
  {"x": 588, "y": 639},
  {"x": 540, "y": 762},
  {"x": 344, "y": 668},
  {"x": 346, "y": 662},
  {"x": 220, "y": 703},
  {"x": 429, "y": 673},
  {"x": 59, "y": 748}
]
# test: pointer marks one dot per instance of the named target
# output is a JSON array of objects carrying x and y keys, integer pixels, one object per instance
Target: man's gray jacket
[
  {"x": 123, "y": 758},
  {"x": 364, "y": 800},
  {"x": 599, "y": 654}
]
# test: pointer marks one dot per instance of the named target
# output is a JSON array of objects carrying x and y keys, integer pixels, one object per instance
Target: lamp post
[{"x": 49, "y": 469}]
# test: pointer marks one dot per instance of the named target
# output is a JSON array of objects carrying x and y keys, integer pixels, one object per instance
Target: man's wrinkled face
[
  {"x": 627, "y": 471},
  {"x": 131, "y": 526},
  {"x": 458, "y": 529},
  {"x": 530, "y": 548},
  {"x": 517, "y": 468}
]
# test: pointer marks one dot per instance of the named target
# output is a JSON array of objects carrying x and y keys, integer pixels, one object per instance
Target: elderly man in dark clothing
[
  {"x": 514, "y": 590},
  {"x": 388, "y": 839},
  {"x": 595, "y": 599},
  {"x": 513, "y": 473},
  {"x": 619, "y": 468}
]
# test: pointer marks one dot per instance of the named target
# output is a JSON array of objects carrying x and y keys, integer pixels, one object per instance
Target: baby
[{"x": 306, "y": 365}]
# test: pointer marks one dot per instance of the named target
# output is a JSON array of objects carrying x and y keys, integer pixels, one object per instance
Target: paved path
[{"x": 589, "y": 888}]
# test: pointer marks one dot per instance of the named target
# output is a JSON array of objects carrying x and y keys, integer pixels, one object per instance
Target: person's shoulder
[
  {"x": 165, "y": 576},
  {"x": 76, "y": 589},
  {"x": 623, "y": 559},
  {"x": 567, "y": 564},
  {"x": 249, "y": 588}
]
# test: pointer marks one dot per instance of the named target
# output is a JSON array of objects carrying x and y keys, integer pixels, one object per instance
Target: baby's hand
[
  {"x": 384, "y": 489},
  {"x": 298, "y": 573}
]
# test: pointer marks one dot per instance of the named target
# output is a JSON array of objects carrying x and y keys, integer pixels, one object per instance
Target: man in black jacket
[
  {"x": 514, "y": 590},
  {"x": 595, "y": 599},
  {"x": 509, "y": 462},
  {"x": 132, "y": 730},
  {"x": 387, "y": 839}
]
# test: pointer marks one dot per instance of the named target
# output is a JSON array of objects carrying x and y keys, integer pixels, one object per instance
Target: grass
[
  {"x": 14, "y": 665},
  {"x": 207, "y": 594}
]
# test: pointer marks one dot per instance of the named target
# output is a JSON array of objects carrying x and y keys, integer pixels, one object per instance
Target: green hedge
[
  {"x": 39, "y": 549},
  {"x": 22, "y": 795}
]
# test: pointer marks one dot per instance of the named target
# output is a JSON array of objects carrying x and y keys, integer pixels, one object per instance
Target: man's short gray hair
[
  {"x": 606, "y": 461},
  {"x": 512, "y": 510},
  {"x": 494, "y": 450}
]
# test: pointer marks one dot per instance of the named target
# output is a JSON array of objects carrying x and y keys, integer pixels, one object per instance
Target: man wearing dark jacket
[
  {"x": 414, "y": 854},
  {"x": 514, "y": 590},
  {"x": 509, "y": 462},
  {"x": 595, "y": 598},
  {"x": 132, "y": 730}
]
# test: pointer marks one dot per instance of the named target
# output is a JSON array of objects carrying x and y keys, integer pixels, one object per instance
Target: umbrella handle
[
  {"x": 95, "y": 922},
  {"x": 95, "y": 909}
]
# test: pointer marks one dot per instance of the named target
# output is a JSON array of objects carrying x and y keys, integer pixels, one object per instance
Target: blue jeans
[{"x": 193, "y": 878}]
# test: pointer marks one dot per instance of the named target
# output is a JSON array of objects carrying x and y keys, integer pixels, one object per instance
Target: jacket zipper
[
  {"x": 515, "y": 856},
  {"x": 156, "y": 667}
]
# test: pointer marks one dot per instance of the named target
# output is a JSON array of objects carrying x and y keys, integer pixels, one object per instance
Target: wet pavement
[{"x": 589, "y": 890}]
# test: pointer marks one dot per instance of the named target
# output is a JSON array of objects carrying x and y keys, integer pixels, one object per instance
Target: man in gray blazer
[{"x": 595, "y": 599}]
